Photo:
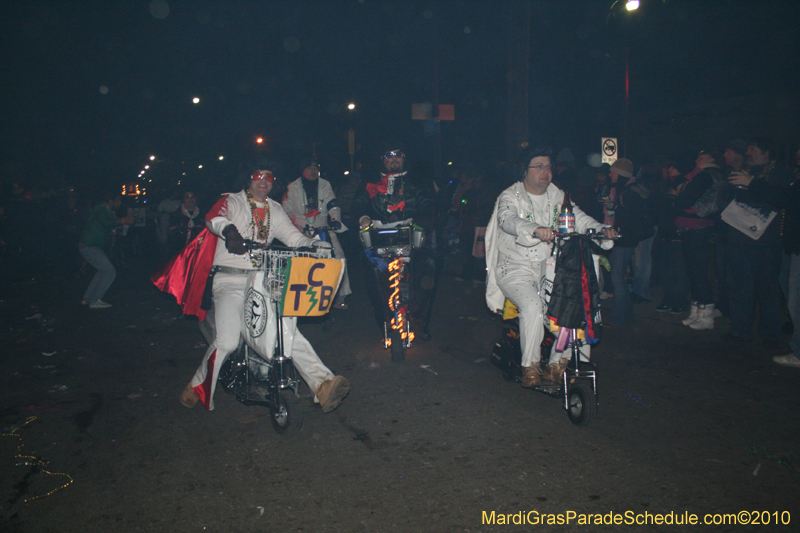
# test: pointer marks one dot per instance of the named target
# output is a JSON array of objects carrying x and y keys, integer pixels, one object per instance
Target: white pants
[
  {"x": 229, "y": 305},
  {"x": 522, "y": 285},
  {"x": 344, "y": 286}
]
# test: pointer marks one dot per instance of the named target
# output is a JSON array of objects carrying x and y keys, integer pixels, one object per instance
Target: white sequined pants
[
  {"x": 229, "y": 305},
  {"x": 521, "y": 283}
]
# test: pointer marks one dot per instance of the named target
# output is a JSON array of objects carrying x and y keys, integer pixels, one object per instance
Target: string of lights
[{"x": 30, "y": 460}]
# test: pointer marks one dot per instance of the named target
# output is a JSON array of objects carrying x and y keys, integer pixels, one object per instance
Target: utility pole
[{"x": 518, "y": 119}]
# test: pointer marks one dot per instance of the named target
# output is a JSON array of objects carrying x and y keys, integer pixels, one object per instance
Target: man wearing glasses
[
  {"x": 394, "y": 197},
  {"x": 518, "y": 242}
]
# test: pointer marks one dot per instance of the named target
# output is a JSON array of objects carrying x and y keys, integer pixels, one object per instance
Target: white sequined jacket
[{"x": 510, "y": 235}]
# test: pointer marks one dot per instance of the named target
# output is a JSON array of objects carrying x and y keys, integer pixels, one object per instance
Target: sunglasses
[
  {"x": 393, "y": 153},
  {"x": 259, "y": 175}
]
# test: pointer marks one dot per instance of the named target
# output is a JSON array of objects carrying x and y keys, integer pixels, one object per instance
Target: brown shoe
[
  {"x": 189, "y": 397},
  {"x": 531, "y": 376},
  {"x": 554, "y": 372},
  {"x": 331, "y": 393}
]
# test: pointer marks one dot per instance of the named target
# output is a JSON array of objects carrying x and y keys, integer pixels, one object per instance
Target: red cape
[{"x": 185, "y": 275}]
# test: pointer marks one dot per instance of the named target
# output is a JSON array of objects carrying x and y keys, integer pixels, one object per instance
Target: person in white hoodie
[
  {"x": 518, "y": 241},
  {"x": 310, "y": 201}
]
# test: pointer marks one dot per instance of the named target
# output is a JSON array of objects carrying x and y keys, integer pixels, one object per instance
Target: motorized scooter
[
  {"x": 270, "y": 380},
  {"x": 578, "y": 386}
]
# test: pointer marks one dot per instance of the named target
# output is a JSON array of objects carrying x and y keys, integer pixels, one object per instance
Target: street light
[{"x": 632, "y": 5}]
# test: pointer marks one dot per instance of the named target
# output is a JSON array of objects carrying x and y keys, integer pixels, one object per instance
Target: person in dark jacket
[
  {"x": 670, "y": 265},
  {"x": 754, "y": 264},
  {"x": 477, "y": 203},
  {"x": 787, "y": 199},
  {"x": 629, "y": 208},
  {"x": 396, "y": 197},
  {"x": 185, "y": 223},
  {"x": 695, "y": 223}
]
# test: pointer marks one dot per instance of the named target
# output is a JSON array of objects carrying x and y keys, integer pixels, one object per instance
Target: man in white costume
[
  {"x": 310, "y": 200},
  {"x": 251, "y": 214},
  {"x": 518, "y": 242}
]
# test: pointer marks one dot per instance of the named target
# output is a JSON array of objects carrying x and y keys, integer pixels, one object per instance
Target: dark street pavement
[{"x": 688, "y": 423}]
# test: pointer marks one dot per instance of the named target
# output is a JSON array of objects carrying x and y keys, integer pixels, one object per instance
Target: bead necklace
[
  {"x": 260, "y": 227},
  {"x": 532, "y": 216}
]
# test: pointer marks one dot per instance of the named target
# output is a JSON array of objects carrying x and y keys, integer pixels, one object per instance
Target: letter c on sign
[{"x": 311, "y": 275}]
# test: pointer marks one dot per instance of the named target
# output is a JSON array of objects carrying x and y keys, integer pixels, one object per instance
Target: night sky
[{"x": 92, "y": 88}]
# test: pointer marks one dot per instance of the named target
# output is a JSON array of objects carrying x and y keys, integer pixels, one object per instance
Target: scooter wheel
[
  {"x": 582, "y": 404},
  {"x": 285, "y": 413},
  {"x": 397, "y": 347}
]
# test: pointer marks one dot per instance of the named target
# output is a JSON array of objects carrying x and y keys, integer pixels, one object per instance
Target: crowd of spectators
[{"x": 717, "y": 235}]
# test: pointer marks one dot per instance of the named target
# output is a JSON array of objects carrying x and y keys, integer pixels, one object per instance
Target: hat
[
  {"x": 737, "y": 145},
  {"x": 710, "y": 151},
  {"x": 393, "y": 146},
  {"x": 308, "y": 162},
  {"x": 565, "y": 156},
  {"x": 623, "y": 167}
]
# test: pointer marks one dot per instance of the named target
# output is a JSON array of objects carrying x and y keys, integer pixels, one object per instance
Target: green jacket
[{"x": 99, "y": 226}]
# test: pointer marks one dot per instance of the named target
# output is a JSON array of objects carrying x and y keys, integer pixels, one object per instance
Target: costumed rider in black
[{"x": 398, "y": 196}]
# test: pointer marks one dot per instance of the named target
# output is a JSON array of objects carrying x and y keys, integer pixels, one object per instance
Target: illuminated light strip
[
  {"x": 37, "y": 460},
  {"x": 398, "y": 322}
]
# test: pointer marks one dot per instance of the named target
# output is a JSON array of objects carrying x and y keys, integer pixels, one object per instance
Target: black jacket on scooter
[
  {"x": 391, "y": 201},
  {"x": 569, "y": 306},
  {"x": 406, "y": 200}
]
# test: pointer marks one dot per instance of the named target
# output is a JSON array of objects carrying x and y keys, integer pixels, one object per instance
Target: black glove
[
  {"x": 234, "y": 242},
  {"x": 335, "y": 225}
]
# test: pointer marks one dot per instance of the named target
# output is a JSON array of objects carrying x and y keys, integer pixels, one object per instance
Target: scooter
[
  {"x": 578, "y": 386},
  {"x": 271, "y": 382}
]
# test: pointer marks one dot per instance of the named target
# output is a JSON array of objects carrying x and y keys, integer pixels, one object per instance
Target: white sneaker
[
  {"x": 99, "y": 304},
  {"x": 605, "y": 295},
  {"x": 705, "y": 317},
  {"x": 84, "y": 301},
  {"x": 787, "y": 360}
]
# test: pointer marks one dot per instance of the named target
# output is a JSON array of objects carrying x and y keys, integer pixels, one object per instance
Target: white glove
[{"x": 321, "y": 244}]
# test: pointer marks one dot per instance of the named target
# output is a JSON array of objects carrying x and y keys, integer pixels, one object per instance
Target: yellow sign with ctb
[{"x": 310, "y": 285}]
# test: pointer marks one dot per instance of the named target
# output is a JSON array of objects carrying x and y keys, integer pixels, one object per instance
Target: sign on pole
[{"x": 609, "y": 148}]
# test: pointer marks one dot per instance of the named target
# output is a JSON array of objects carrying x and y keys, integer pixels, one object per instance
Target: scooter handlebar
[{"x": 255, "y": 245}]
